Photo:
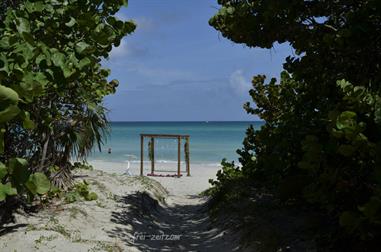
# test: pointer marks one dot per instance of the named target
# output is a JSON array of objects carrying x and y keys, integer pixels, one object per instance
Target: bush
[
  {"x": 320, "y": 145},
  {"x": 80, "y": 191},
  {"x": 330, "y": 163},
  {"x": 82, "y": 165}
]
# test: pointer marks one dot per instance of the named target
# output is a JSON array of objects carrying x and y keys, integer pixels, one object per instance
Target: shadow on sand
[{"x": 189, "y": 226}]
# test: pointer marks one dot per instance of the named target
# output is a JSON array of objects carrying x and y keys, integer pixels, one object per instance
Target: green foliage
[
  {"x": 6, "y": 190},
  {"x": 38, "y": 183},
  {"x": 52, "y": 86},
  {"x": 82, "y": 165},
  {"x": 320, "y": 145},
  {"x": 18, "y": 171},
  {"x": 80, "y": 191},
  {"x": 21, "y": 179},
  {"x": 8, "y": 100}
]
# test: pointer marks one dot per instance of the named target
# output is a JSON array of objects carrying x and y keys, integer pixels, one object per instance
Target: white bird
[{"x": 127, "y": 172}]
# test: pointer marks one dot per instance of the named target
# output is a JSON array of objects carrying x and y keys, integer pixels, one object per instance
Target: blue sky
[{"x": 175, "y": 67}]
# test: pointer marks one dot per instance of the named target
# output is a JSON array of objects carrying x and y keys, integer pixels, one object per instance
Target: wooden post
[
  {"x": 141, "y": 154},
  {"x": 178, "y": 156},
  {"x": 188, "y": 151},
  {"x": 153, "y": 155}
]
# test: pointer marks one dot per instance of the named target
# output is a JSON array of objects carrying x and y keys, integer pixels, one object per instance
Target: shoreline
[{"x": 192, "y": 185}]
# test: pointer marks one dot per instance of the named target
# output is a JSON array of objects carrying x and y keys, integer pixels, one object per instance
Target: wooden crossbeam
[{"x": 152, "y": 139}]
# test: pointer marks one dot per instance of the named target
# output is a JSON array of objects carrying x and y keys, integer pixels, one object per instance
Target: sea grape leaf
[
  {"x": 19, "y": 170},
  {"x": 346, "y": 120},
  {"x": 84, "y": 62},
  {"x": 22, "y": 25},
  {"x": 67, "y": 71},
  {"x": 3, "y": 170},
  {"x": 344, "y": 85},
  {"x": 71, "y": 22},
  {"x": 6, "y": 189},
  {"x": 8, "y": 113},
  {"x": 28, "y": 123},
  {"x": 81, "y": 47},
  {"x": 38, "y": 183},
  {"x": 32, "y": 85},
  {"x": 34, "y": 6},
  {"x": 58, "y": 59},
  {"x": 8, "y": 95},
  {"x": 91, "y": 196}
]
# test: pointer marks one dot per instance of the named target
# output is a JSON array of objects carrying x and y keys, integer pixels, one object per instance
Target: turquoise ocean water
[{"x": 210, "y": 142}]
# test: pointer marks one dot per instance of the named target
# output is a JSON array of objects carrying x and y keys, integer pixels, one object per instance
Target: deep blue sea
[{"x": 210, "y": 142}]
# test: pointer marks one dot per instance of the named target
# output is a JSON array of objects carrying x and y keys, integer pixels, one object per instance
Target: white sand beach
[
  {"x": 132, "y": 213},
  {"x": 193, "y": 185}
]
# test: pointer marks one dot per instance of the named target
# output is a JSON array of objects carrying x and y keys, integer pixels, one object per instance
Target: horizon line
[{"x": 195, "y": 121}]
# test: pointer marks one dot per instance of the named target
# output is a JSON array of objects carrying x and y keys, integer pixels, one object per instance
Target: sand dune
[{"x": 132, "y": 213}]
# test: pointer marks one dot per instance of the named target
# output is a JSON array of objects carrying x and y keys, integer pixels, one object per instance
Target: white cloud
[
  {"x": 122, "y": 16},
  {"x": 121, "y": 51},
  {"x": 143, "y": 23},
  {"x": 238, "y": 83},
  {"x": 128, "y": 49}
]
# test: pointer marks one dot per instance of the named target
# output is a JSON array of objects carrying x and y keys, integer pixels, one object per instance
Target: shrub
[{"x": 80, "y": 191}]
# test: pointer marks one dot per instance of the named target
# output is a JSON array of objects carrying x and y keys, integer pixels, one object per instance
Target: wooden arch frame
[{"x": 153, "y": 137}]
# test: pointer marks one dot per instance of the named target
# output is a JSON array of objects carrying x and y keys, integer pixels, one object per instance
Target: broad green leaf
[
  {"x": 67, "y": 71},
  {"x": 58, "y": 59},
  {"x": 19, "y": 170},
  {"x": 346, "y": 119},
  {"x": 91, "y": 196},
  {"x": 34, "y": 6},
  {"x": 84, "y": 62},
  {"x": 27, "y": 122},
  {"x": 32, "y": 85},
  {"x": 71, "y": 23},
  {"x": 38, "y": 183},
  {"x": 3, "y": 171},
  {"x": 22, "y": 25},
  {"x": 8, "y": 96},
  {"x": 81, "y": 47},
  {"x": 40, "y": 58},
  {"x": 6, "y": 190},
  {"x": 344, "y": 85},
  {"x": 9, "y": 113}
]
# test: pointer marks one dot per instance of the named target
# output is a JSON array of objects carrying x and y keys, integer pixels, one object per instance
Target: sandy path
[
  {"x": 185, "y": 223},
  {"x": 131, "y": 214},
  {"x": 182, "y": 223}
]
